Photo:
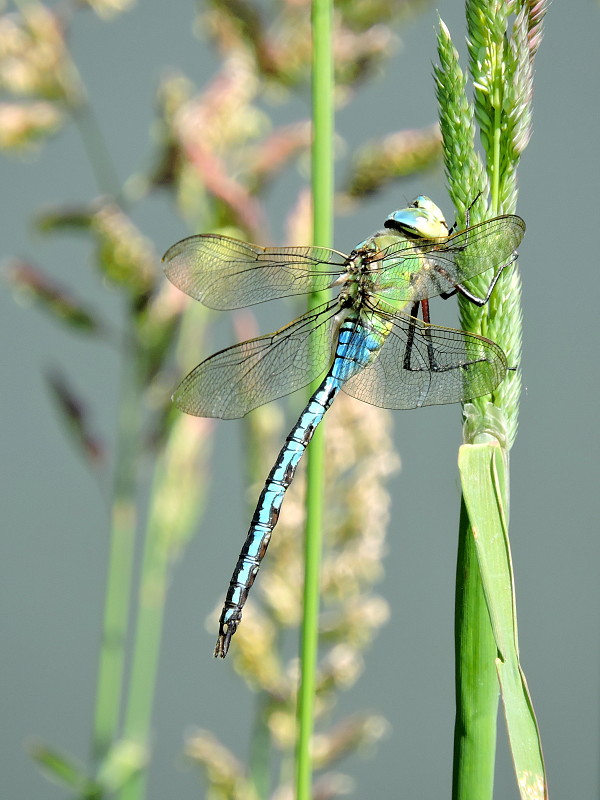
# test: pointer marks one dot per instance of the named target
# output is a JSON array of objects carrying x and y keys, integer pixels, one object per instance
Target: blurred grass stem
[
  {"x": 96, "y": 150},
  {"x": 120, "y": 560}
]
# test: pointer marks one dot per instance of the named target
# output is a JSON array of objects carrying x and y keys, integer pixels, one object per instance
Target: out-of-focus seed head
[
  {"x": 34, "y": 60},
  {"x": 24, "y": 126}
]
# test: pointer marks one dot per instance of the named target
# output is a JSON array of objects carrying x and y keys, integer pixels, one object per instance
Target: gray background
[{"x": 54, "y": 541}]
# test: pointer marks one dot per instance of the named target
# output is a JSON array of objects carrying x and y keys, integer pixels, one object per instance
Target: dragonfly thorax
[{"x": 361, "y": 276}]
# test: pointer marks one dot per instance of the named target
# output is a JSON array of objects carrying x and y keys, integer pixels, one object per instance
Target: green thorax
[{"x": 391, "y": 258}]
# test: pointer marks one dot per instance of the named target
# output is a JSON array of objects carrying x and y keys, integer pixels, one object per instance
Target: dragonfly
[{"x": 367, "y": 341}]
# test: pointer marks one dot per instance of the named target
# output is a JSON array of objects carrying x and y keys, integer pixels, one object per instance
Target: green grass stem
[
  {"x": 146, "y": 650},
  {"x": 477, "y": 691},
  {"x": 322, "y": 194},
  {"x": 177, "y": 495},
  {"x": 475, "y": 676},
  {"x": 120, "y": 560}
]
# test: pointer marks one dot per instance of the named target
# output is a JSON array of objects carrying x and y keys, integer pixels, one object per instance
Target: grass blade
[{"x": 486, "y": 503}]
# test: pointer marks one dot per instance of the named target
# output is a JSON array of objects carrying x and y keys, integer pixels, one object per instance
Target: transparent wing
[
  {"x": 226, "y": 273},
  {"x": 410, "y": 271},
  {"x": 233, "y": 381},
  {"x": 422, "y": 365}
]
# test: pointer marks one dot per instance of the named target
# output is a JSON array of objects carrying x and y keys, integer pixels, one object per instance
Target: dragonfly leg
[
  {"x": 454, "y": 226},
  {"x": 479, "y": 301},
  {"x": 410, "y": 338},
  {"x": 430, "y": 352},
  {"x": 433, "y": 364}
]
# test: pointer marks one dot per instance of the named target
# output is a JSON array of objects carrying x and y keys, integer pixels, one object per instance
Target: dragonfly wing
[
  {"x": 233, "y": 381},
  {"x": 413, "y": 272},
  {"x": 422, "y": 365},
  {"x": 225, "y": 273}
]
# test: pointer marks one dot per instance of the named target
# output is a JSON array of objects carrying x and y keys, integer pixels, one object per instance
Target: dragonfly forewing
[{"x": 224, "y": 273}]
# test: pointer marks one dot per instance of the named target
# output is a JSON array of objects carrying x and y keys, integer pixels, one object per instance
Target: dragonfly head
[{"x": 422, "y": 219}]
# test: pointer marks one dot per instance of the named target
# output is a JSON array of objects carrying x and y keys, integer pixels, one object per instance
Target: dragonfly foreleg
[
  {"x": 473, "y": 298},
  {"x": 454, "y": 226}
]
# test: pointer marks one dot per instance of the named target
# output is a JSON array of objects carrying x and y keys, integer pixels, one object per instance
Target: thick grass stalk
[
  {"x": 501, "y": 49},
  {"x": 475, "y": 648},
  {"x": 322, "y": 194}
]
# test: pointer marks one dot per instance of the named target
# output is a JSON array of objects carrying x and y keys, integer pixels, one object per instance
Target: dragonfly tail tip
[
  {"x": 220, "y": 651},
  {"x": 224, "y": 640}
]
